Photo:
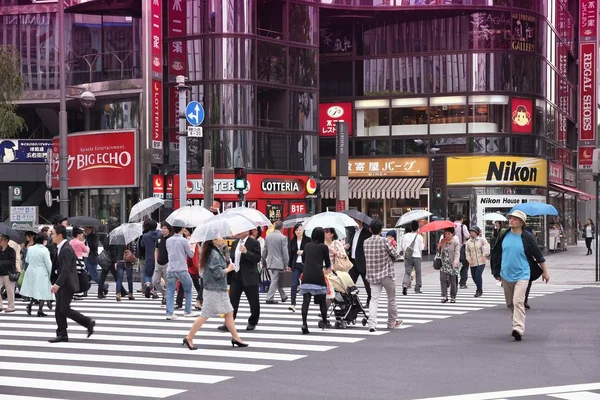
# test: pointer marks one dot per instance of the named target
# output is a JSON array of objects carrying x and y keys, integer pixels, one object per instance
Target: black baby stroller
[{"x": 346, "y": 304}]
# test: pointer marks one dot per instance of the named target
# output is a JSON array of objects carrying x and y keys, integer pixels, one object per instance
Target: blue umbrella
[{"x": 533, "y": 209}]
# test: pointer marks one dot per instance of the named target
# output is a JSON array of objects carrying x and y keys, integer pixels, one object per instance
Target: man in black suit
[
  {"x": 356, "y": 252},
  {"x": 245, "y": 254},
  {"x": 66, "y": 285}
]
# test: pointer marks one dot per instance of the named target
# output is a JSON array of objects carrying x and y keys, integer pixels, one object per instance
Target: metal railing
[{"x": 108, "y": 66}]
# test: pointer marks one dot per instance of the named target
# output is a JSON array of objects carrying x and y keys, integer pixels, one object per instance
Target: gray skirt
[{"x": 215, "y": 303}]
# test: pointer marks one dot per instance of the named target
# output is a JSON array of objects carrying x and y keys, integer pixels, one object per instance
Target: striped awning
[{"x": 377, "y": 188}]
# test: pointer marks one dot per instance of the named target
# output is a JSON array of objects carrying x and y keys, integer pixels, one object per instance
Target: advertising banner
[
  {"x": 556, "y": 173},
  {"x": 157, "y": 39},
  {"x": 586, "y": 157},
  {"x": 588, "y": 19},
  {"x": 102, "y": 159},
  {"x": 330, "y": 114},
  {"x": 158, "y": 186},
  {"x": 497, "y": 171},
  {"x": 522, "y": 116},
  {"x": 157, "y": 115},
  {"x": 24, "y": 150},
  {"x": 587, "y": 92},
  {"x": 390, "y": 166}
]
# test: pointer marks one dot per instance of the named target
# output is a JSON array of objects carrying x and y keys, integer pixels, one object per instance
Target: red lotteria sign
[
  {"x": 586, "y": 157},
  {"x": 522, "y": 117},
  {"x": 330, "y": 113},
  {"x": 259, "y": 187},
  {"x": 587, "y": 92},
  {"x": 158, "y": 186},
  {"x": 100, "y": 159},
  {"x": 297, "y": 208},
  {"x": 169, "y": 186},
  {"x": 588, "y": 18},
  {"x": 157, "y": 116},
  {"x": 556, "y": 173},
  {"x": 157, "y": 38}
]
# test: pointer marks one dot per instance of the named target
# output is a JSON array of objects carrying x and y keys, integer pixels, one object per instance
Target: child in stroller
[{"x": 346, "y": 304}]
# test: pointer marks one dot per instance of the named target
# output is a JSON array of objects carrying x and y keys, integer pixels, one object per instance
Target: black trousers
[
  {"x": 236, "y": 288},
  {"x": 64, "y": 311},
  {"x": 355, "y": 273},
  {"x": 197, "y": 282},
  {"x": 102, "y": 279},
  {"x": 588, "y": 244},
  {"x": 464, "y": 269}
]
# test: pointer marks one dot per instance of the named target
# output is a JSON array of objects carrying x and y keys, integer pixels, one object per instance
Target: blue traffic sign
[{"x": 194, "y": 112}]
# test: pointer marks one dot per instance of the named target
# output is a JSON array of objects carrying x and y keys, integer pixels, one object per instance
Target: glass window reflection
[
  {"x": 269, "y": 154},
  {"x": 303, "y": 23},
  {"x": 303, "y": 152},
  {"x": 272, "y": 62},
  {"x": 303, "y": 67},
  {"x": 487, "y": 145},
  {"x": 303, "y": 111},
  {"x": 491, "y": 72},
  {"x": 373, "y": 122},
  {"x": 372, "y": 147}
]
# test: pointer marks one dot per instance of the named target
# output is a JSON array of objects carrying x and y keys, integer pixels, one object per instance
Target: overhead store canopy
[{"x": 377, "y": 188}]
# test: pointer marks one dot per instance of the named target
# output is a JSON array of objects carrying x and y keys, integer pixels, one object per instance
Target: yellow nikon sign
[{"x": 496, "y": 170}]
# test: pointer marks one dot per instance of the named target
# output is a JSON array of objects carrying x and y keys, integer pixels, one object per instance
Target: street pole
[
  {"x": 62, "y": 116},
  {"x": 208, "y": 177},
  {"x": 597, "y": 256},
  {"x": 182, "y": 88},
  {"x": 341, "y": 165}
]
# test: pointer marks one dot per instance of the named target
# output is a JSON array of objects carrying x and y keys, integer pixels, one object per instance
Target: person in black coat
[
  {"x": 91, "y": 261},
  {"x": 66, "y": 285},
  {"x": 245, "y": 254},
  {"x": 113, "y": 250},
  {"x": 296, "y": 263},
  {"x": 313, "y": 277},
  {"x": 356, "y": 252}
]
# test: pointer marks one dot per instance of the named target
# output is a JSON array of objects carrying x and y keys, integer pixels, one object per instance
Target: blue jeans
[
  {"x": 477, "y": 275},
  {"x": 296, "y": 271},
  {"x": 120, "y": 270},
  {"x": 186, "y": 283},
  {"x": 148, "y": 272},
  {"x": 92, "y": 269}
]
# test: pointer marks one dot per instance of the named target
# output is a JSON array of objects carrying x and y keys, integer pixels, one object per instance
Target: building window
[
  {"x": 409, "y": 116},
  {"x": 272, "y": 110},
  {"x": 448, "y": 73},
  {"x": 487, "y": 145},
  {"x": 303, "y": 152},
  {"x": 372, "y": 147},
  {"x": 491, "y": 72},
  {"x": 372, "y": 118},
  {"x": 272, "y": 62},
  {"x": 269, "y": 151},
  {"x": 303, "y": 111},
  {"x": 303, "y": 67},
  {"x": 409, "y": 146},
  {"x": 304, "y": 23},
  {"x": 447, "y": 115},
  {"x": 335, "y": 79},
  {"x": 377, "y": 77},
  {"x": 410, "y": 75},
  {"x": 488, "y": 114},
  {"x": 523, "y": 74}
]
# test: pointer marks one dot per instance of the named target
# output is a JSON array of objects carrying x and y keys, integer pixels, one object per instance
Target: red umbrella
[{"x": 436, "y": 226}]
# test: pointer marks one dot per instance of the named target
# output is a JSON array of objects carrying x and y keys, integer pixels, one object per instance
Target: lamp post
[
  {"x": 87, "y": 100},
  {"x": 62, "y": 115}
]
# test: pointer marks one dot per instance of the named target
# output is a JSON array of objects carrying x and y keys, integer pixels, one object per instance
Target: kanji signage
[
  {"x": 588, "y": 19},
  {"x": 556, "y": 173},
  {"x": 393, "y": 166},
  {"x": 330, "y": 114},
  {"x": 275, "y": 212}
]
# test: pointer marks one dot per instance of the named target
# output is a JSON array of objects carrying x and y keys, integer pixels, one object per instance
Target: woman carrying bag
[
  {"x": 477, "y": 251},
  {"x": 449, "y": 249},
  {"x": 36, "y": 284},
  {"x": 296, "y": 263}
]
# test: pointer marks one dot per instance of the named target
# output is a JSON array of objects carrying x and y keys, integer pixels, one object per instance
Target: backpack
[
  {"x": 408, "y": 253},
  {"x": 138, "y": 248}
]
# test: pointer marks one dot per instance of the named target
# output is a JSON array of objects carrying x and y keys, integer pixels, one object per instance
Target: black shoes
[
  {"x": 223, "y": 328},
  {"x": 478, "y": 293},
  {"x": 404, "y": 291},
  {"x": 59, "y": 339},
  {"x": 272, "y": 302},
  {"x": 90, "y": 328},
  {"x": 147, "y": 291},
  {"x": 527, "y": 307},
  {"x": 305, "y": 330},
  {"x": 325, "y": 324},
  {"x": 238, "y": 344},
  {"x": 284, "y": 299},
  {"x": 517, "y": 335},
  {"x": 28, "y": 309},
  {"x": 189, "y": 346},
  {"x": 40, "y": 313},
  {"x": 250, "y": 327}
]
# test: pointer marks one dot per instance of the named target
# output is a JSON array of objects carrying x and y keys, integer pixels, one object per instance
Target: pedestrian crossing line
[
  {"x": 90, "y": 387},
  {"x": 18, "y": 397},
  {"x": 549, "y": 391},
  {"x": 576, "y": 396},
  {"x": 114, "y": 372},
  {"x": 164, "y": 340},
  {"x": 174, "y": 350},
  {"x": 136, "y": 360}
]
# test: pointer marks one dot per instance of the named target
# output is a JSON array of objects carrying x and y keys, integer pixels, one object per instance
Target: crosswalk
[
  {"x": 586, "y": 391},
  {"x": 137, "y": 352}
]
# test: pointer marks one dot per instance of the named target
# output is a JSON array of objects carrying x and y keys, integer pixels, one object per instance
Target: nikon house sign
[
  {"x": 497, "y": 170},
  {"x": 101, "y": 159}
]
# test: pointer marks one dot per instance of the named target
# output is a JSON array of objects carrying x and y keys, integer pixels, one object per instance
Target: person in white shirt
[{"x": 412, "y": 239}]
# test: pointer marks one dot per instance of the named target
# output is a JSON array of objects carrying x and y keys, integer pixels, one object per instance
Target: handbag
[
  {"x": 129, "y": 257},
  {"x": 265, "y": 280},
  {"x": 437, "y": 261},
  {"x": 341, "y": 262},
  {"x": 84, "y": 281},
  {"x": 105, "y": 261},
  {"x": 21, "y": 278},
  {"x": 14, "y": 276}
]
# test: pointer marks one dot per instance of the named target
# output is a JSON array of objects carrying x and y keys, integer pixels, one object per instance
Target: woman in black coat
[
  {"x": 297, "y": 244},
  {"x": 316, "y": 258}
]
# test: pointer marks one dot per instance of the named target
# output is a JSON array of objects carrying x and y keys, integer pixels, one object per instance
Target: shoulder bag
[
  {"x": 341, "y": 261},
  {"x": 408, "y": 253},
  {"x": 105, "y": 261},
  {"x": 129, "y": 257},
  {"x": 437, "y": 261}
]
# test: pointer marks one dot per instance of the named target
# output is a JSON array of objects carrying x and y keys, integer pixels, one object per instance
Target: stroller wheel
[{"x": 364, "y": 321}]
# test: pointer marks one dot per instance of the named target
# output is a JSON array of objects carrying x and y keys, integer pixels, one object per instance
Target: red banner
[
  {"x": 522, "y": 116},
  {"x": 556, "y": 173},
  {"x": 100, "y": 159},
  {"x": 588, "y": 19},
  {"x": 176, "y": 27},
  {"x": 330, "y": 113},
  {"x": 157, "y": 38},
  {"x": 158, "y": 186},
  {"x": 587, "y": 92},
  {"x": 169, "y": 186},
  {"x": 157, "y": 115},
  {"x": 586, "y": 157}
]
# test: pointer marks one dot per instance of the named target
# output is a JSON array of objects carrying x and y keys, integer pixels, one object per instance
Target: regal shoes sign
[
  {"x": 100, "y": 159},
  {"x": 497, "y": 171}
]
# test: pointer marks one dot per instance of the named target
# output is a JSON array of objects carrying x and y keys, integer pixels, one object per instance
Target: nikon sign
[{"x": 497, "y": 171}]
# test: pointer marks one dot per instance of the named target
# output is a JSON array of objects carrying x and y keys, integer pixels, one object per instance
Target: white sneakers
[
  {"x": 292, "y": 308},
  {"x": 191, "y": 315},
  {"x": 171, "y": 317}
]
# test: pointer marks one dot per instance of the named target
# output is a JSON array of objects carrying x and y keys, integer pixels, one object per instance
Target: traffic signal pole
[{"x": 182, "y": 89}]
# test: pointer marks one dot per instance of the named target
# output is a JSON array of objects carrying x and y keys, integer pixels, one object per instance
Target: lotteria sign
[
  {"x": 497, "y": 170},
  {"x": 259, "y": 186},
  {"x": 102, "y": 159}
]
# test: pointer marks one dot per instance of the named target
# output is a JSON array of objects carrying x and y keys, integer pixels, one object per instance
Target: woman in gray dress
[{"x": 214, "y": 272}]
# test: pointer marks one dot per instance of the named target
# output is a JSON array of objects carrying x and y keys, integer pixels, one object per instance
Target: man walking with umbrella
[{"x": 355, "y": 247}]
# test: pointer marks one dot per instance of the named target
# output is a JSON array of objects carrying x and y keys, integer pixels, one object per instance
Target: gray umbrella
[
  {"x": 10, "y": 232},
  {"x": 294, "y": 219},
  {"x": 357, "y": 215},
  {"x": 85, "y": 221}
]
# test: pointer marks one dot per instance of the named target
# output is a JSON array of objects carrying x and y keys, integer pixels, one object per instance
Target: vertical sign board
[
  {"x": 177, "y": 65},
  {"x": 588, "y": 48},
  {"x": 341, "y": 167},
  {"x": 156, "y": 90}
]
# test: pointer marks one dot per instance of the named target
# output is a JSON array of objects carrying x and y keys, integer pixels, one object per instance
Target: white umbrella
[
  {"x": 414, "y": 215},
  {"x": 126, "y": 233},
  {"x": 494, "y": 217},
  {"x": 145, "y": 208},
  {"x": 252, "y": 214},
  {"x": 222, "y": 225},
  {"x": 329, "y": 219},
  {"x": 189, "y": 216}
]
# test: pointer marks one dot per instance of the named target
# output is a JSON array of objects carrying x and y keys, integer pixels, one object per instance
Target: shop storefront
[
  {"x": 277, "y": 196},
  {"x": 103, "y": 174},
  {"x": 488, "y": 184},
  {"x": 383, "y": 188}
]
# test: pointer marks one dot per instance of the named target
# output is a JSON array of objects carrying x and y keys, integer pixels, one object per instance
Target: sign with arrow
[{"x": 194, "y": 113}]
